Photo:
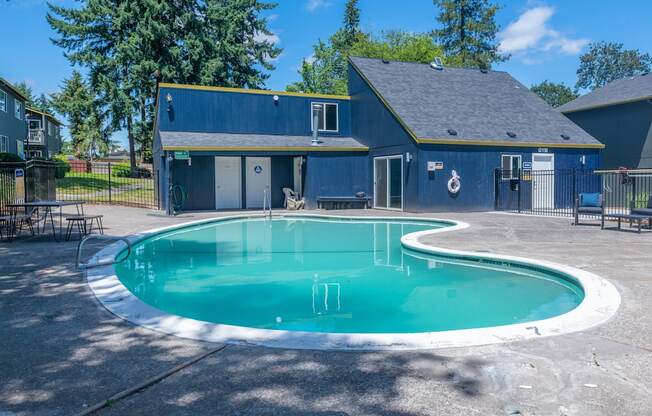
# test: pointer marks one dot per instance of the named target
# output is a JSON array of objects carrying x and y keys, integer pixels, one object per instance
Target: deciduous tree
[
  {"x": 553, "y": 93},
  {"x": 608, "y": 61}
]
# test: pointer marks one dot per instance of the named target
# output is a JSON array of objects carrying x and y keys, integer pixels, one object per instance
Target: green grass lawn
[{"x": 100, "y": 188}]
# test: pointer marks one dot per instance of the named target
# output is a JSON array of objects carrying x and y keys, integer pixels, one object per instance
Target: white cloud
[
  {"x": 531, "y": 33},
  {"x": 313, "y": 5},
  {"x": 272, "y": 38}
]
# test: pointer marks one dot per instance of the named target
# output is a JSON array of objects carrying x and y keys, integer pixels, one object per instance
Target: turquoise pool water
[{"x": 331, "y": 275}]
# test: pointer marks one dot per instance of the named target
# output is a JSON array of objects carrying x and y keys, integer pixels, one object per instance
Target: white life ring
[{"x": 454, "y": 183}]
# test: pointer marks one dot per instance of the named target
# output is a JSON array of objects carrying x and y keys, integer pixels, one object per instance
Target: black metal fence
[
  {"x": 95, "y": 183},
  {"x": 26, "y": 182},
  {"x": 554, "y": 192},
  {"x": 108, "y": 183}
]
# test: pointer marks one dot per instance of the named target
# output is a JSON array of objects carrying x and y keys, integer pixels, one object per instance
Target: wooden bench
[
  {"x": 342, "y": 202},
  {"x": 84, "y": 224}
]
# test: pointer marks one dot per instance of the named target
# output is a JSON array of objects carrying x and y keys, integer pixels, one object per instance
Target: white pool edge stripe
[{"x": 600, "y": 303}]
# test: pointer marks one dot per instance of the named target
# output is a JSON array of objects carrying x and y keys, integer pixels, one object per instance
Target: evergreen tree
[
  {"x": 468, "y": 31},
  {"x": 123, "y": 42},
  {"x": 326, "y": 70},
  {"x": 41, "y": 103},
  {"x": 607, "y": 61},
  {"x": 87, "y": 125},
  {"x": 554, "y": 94},
  {"x": 27, "y": 91}
]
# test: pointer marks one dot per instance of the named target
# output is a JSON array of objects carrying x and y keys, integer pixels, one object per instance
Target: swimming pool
[{"x": 301, "y": 280}]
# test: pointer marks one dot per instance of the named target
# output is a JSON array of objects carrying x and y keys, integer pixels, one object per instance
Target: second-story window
[
  {"x": 328, "y": 116},
  {"x": 3, "y": 101},
  {"x": 18, "y": 109}
]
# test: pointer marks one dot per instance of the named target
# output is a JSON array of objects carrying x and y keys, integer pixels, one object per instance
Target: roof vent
[
  {"x": 484, "y": 70},
  {"x": 452, "y": 132},
  {"x": 437, "y": 64},
  {"x": 511, "y": 134},
  {"x": 565, "y": 136},
  {"x": 383, "y": 60},
  {"x": 644, "y": 74}
]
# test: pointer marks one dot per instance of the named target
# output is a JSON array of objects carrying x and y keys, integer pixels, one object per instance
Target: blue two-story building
[
  {"x": 402, "y": 134},
  {"x": 13, "y": 128}
]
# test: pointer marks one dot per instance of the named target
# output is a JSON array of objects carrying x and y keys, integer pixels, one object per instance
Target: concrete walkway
[{"x": 61, "y": 352}]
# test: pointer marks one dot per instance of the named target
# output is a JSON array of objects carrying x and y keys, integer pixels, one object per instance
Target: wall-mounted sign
[
  {"x": 20, "y": 185},
  {"x": 181, "y": 155},
  {"x": 542, "y": 150},
  {"x": 258, "y": 169},
  {"x": 527, "y": 165},
  {"x": 433, "y": 166}
]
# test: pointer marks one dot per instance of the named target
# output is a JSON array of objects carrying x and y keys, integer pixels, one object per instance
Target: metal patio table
[{"x": 47, "y": 207}]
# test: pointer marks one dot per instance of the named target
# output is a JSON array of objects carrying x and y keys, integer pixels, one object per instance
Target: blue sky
[{"x": 545, "y": 38}]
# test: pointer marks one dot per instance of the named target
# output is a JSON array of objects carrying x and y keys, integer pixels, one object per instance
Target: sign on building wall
[
  {"x": 182, "y": 155},
  {"x": 433, "y": 166},
  {"x": 19, "y": 175}
]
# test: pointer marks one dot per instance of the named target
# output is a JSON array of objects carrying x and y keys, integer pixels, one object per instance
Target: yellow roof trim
[
  {"x": 593, "y": 107},
  {"x": 268, "y": 148},
  {"x": 385, "y": 103},
  {"x": 251, "y": 91},
  {"x": 34, "y": 110},
  {"x": 505, "y": 143}
]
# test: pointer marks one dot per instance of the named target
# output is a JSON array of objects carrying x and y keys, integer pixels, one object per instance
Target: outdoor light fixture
[
  {"x": 408, "y": 157},
  {"x": 275, "y": 99},
  {"x": 168, "y": 98}
]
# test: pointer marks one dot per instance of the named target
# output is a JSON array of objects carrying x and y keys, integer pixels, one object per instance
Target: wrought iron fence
[
  {"x": 108, "y": 183},
  {"x": 95, "y": 183},
  {"x": 26, "y": 182},
  {"x": 554, "y": 192}
]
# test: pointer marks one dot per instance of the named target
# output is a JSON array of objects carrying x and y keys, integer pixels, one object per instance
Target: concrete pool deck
[{"x": 62, "y": 352}]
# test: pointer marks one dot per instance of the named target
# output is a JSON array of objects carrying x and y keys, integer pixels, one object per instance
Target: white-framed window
[
  {"x": 18, "y": 109},
  {"x": 4, "y": 144},
  {"x": 34, "y": 124},
  {"x": 328, "y": 116},
  {"x": 3, "y": 101},
  {"x": 510, "y": 167},
  {"x": 35, "y": 153}
]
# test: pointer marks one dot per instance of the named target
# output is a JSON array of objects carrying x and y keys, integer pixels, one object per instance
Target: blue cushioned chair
[{"x": 589, "y": 204}]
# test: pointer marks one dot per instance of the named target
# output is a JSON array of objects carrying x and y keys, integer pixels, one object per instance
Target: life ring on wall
[{"x": 454, "y": 183}]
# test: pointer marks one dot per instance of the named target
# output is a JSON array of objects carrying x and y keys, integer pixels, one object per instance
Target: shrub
[
  {"x": 62, "y": 166},
  {"x": 121, "y": 170},
  {"x": 10, "y": 157}
]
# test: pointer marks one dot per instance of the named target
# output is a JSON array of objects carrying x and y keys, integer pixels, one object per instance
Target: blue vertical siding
[
  {"x": 10, "y": 126},
  {"x": 625, "y": 130},
  {"x": 282, "y": 177},
  {"x": 335, "y": 174},
  {"x": 476, "y": 166},
  {"x": 198, "y": 180},
  {"x": 237, "y": 112}
]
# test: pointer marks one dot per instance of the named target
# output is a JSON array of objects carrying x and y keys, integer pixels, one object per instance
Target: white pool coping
[{"x": 601, "y": 301}]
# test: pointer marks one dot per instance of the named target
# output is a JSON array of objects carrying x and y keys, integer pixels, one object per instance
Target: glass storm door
[{"x": 388, "y": 183}]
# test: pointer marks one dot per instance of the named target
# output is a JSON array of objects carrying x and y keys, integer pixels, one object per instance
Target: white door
[
  {"x": 228, "y": 188},
  {"x": 258, "y": 177},
  {"x": 543, "y": 181}
]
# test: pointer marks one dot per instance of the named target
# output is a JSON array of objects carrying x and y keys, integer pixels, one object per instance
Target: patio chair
[
  {"x": 588, "y": 204},
  {"x": 14, "y": 222},
  {"x": 643, "y": 211},
  {"x": 291, "y": 200}
]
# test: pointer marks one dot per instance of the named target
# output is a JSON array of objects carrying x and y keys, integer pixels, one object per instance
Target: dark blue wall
[
  {"x": 376, "y": 127},
  {"x": 623, "y": 129},
  {"x": 335, "y": 174},
  {"x": 282, "y": 177},
  {"x": 476, "y": 166},
  {"x": 238, "y": 112},
  {"x": 10, "y": 126},
  {"x": 198, "y": 180}
]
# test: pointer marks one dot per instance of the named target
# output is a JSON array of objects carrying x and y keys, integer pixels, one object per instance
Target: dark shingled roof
[
  {"x": 478, "y": 106},
  {"x": 616, "y": 92},
  {"x": 190, "y": 140}
]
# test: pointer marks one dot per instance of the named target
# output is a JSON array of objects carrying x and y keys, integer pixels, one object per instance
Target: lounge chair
[
  {"x": 292, "y": 201},
  {"x": 643, "y": 211},
  {"x": 589, "y": 204}
]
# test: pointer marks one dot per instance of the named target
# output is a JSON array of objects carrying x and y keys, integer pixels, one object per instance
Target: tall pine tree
[
  {"x": 468, "y": 31},
  {"x": 123, "y": 42}
]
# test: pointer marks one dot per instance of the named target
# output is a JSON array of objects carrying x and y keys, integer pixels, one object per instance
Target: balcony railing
[{"x": 36, "y": 136}]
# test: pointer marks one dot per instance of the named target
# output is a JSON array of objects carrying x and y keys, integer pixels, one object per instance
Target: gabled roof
[
  {"x": 621, "y": 91},
  {"x": 184, "y": 140},
  {"x": 482, "y": 107},
  {"x": 43, "y": 113},
  {"x": 8, "y": 85}
]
